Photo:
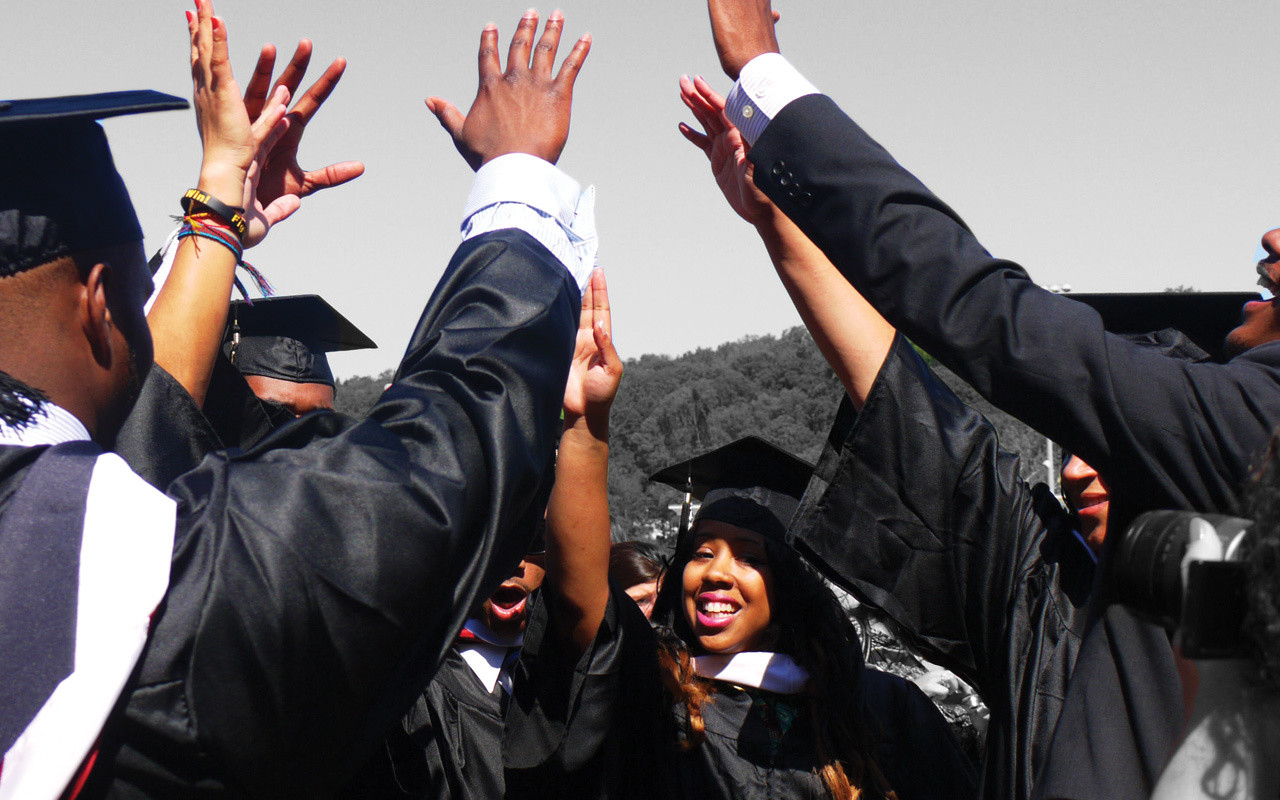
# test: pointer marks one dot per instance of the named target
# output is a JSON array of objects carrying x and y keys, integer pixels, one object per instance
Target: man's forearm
[{"x": 578, "y": 531}]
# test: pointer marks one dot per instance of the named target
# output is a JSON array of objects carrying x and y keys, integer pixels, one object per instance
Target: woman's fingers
[
  {"x": 255, "y": 94},
  {"x": 699, "y": 140}
]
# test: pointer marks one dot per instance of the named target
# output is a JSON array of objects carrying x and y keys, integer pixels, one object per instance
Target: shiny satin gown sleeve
[
  {"x": 916, "y": 510},
  {"x": 1165, "y": 434},
  {"x": 319, "y": 577},
  {"x": 167, "y": 434},
  {"x": 594, "y": 726}
]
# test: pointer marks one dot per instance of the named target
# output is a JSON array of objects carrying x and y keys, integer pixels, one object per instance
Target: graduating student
[
  {"x": 271, "y": 370},
  {"x": 279, "y": 345},
  {"x": 1162, "y": 433},
  {"x": 636, "y": 568},
  {"x": 246, "y": 633},
  {"x": 994, "y": 587},
  {"x": 450, "y": 743},
  {"x": 760, "y": 683},
  {"x": 194, "y": 401}
]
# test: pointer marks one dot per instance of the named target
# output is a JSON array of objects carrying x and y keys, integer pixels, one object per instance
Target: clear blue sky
[{"x": 1115, "y": 146}]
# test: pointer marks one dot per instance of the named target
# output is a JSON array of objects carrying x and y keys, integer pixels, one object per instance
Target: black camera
[{"x": 1185, "y": 571}]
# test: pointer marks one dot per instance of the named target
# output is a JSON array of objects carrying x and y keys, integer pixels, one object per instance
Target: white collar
[
  {"x": 51, "y": 424},
  {"x": 487, "y": 654},
  {"x": 486, "y": 662},
  {"x": 481, "y": 631},
  {"x": 773, "y": 672}
]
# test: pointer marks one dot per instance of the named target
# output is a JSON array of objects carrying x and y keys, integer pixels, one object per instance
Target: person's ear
[{"x": 96, "y": 315}]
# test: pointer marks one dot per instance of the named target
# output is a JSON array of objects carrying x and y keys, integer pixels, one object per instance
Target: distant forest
[{"x": 670, "y": 408}]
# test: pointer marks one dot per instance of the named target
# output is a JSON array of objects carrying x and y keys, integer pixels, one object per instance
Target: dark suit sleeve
[
  {"x": 916, "y": 509},
  {"x": 1174, "y": 434},
  {"x": 319, "y": 577}
]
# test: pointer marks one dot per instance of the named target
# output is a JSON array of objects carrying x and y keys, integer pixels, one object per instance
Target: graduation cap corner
[
  {"x": 287, "y": 337},
  {"x": 750, "y": 470}
]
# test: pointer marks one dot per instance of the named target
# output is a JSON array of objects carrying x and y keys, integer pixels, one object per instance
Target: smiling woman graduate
[{"x": 764, "y": 691}]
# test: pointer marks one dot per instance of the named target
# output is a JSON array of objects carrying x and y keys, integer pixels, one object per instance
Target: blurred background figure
[{"x": 636, "y": 568}]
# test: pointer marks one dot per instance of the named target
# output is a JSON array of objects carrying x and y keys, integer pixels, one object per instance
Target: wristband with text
[{"x": 230, "y": 214}]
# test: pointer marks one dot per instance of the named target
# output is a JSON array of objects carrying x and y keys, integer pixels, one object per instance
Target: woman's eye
[{"x": 702, "y": 555}]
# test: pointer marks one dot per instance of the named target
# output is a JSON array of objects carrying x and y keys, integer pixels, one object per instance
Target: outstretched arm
[
  {"x": 338, "y": 559},
  {"x": 852, "y": 336},
  {"x": 538, "y": 120},
  {"x": 577, "y": 582},
  {"x": 246, "y": 165}
]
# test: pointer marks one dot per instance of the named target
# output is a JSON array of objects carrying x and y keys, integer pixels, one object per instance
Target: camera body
[{"x": 1185, "y": 571}]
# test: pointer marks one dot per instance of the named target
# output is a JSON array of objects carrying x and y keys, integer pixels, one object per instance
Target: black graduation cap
[
  {"x": 749, "y": 483},
  {"x": 1204, "y": 317},
  {"x": 59, "y": 189},
  {"x": 287, "y": 337}
]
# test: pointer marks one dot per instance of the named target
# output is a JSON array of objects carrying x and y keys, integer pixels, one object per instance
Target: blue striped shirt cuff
[
  {"x": 525, "y": 192},
  {"x": 766, "y": 85}
]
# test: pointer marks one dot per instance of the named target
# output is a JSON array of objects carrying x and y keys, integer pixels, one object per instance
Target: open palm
[
  {"x": 725, "y": 149},
  {"x": 596, "y": 370}
]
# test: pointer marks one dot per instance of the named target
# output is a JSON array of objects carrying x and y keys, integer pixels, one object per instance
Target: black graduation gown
[
  {"x": 167, "y": 434},
  {"x": 455, "y": 742},
  {"x": 916, "y": 510},
  {"x": 612, "y": 730},
  {"x": 448, "y": 745},
  {"x": 1163, "y": 433},
  {"x": 318, "y": 577}
]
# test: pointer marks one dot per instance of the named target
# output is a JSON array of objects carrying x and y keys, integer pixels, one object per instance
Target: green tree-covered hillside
[{"x": 779, "y": 388}]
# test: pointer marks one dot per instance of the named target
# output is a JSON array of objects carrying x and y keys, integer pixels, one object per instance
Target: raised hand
[
  {"x": 725, "y": 149},
  {"x": 225, "y": 131},
  {"x": 272, "y": 126},
  {"x": 523, "y": 110},
  {"x": 596, "y": 370},
  {"x": 742, "y": 29},
  {"x": 281, "y": 174}
]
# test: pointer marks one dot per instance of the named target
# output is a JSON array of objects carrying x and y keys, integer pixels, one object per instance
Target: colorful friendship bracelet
[{"x": 207, "y": 226}]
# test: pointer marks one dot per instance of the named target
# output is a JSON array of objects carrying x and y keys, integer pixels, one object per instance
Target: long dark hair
[{"x": 810, "y": 626}]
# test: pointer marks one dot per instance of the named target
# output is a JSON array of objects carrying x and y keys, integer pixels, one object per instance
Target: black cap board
[
  {"x": 1205, "y": 317},
  {"x": 287, "y": 337},
  {"x": 749, "y": 483},
  {"x": 59, "y": 189}
]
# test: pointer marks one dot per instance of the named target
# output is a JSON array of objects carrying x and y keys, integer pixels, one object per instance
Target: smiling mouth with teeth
[
  {"x": 716, "y": 612},
  {"x": 714, "y": 608}
]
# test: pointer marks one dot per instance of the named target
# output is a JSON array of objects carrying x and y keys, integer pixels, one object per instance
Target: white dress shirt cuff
[
  {"x": 766, "y": 85},
  {"x": 525, "y": 192}
]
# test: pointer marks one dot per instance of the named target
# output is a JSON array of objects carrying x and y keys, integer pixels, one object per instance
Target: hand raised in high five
[
  {"x": 226, "y": 133},
  {"x": 523, "y": 110},
  {"x": 726, "y": 151},
  {"x": 235, "y": 150},
  {"x": 596, "y": 370},
  {"x": 281, "y": 174},
  {"x": 742, "y": 29}
]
